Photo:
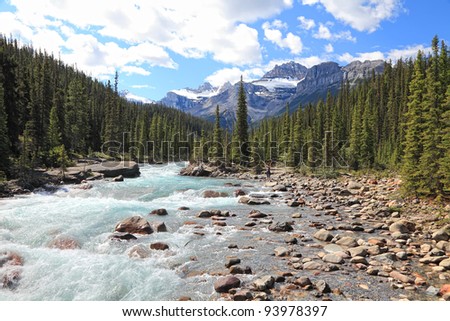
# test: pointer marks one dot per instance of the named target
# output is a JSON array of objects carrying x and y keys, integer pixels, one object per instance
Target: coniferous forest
[
  {"x": 397, "y": 120},
  {"x": 51, "y": 112}
]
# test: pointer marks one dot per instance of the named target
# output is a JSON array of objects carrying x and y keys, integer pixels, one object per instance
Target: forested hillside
[
  {"x": 49, "y": 110},
  {"x": 398, "y": 120}
]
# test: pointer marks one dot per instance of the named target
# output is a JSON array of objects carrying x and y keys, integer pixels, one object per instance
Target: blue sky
[{"x": 160, "y": 45}]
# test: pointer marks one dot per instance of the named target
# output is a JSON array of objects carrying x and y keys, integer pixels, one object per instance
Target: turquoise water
[{"x": 102, "y": 269}]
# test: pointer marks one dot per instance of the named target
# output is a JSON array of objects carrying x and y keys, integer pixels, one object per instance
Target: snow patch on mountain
[{"x": 273, "y": 83}]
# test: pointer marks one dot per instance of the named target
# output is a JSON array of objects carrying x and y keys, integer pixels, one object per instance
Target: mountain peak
[{"x": 289, "y": 70}]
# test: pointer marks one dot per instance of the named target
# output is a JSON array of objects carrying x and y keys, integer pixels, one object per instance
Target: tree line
[
  {"x": 398, "y": 120},
  {"x": 49, "y": 110}
]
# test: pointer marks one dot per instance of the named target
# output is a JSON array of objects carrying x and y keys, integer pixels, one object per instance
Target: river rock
[
  {"x": 243, "y": 295},
  {"x": 443, "y": 245},
  {"x": 232, "y": 261},
  {"x": 333, "y": 258},
  {"x": 312, "y": 265},
  {"x": 127, "y": 169},
  {"x": 358, "y": 251},
  {"x": 401, "y": 277},
  {"x": 159, "y": 227},
  {"x": 256, "y": 214},
  {"x": 402, "y": 226},
  {"x": 354, "y": 185},
  {"x": 279, "y": 188},
  {"x": 332, "y": 248},
  {"x": 322, "y": 287},
  {"x": 159, "y": 246},
  {"x": 183, "y": 208},
  {"x": 265, "y": 283},
  {"x": 237, "y": 269},
  {"x": 64, "y": 243},
  {"x": 226, "y": 283},
  {"x": 347, "y": 241},
  {"x": 10, "y": 273},
  {"x": 123, "y": 236},
  {"x": 296, "y": 215},
  {"x": 253, "y": 201},
  {"x": 303, "y": 281},
  {"x": 240, "y": 192},
  {"x": 445, "y": 264},
  {"x": 134, "y": 225},
  {"x": 281, "y": 227},
  {"x": 281, "y": 251},
  {"x": 444, "y": 290},
  {"x": 139, "y": 251},
  {"x": 205, "y": 214},
  {"x": 323, "y": 235},
  {"x": 443, "y": 234},
  {"x": 159, "y": 211},
  {"x": 214, "y": 194}
]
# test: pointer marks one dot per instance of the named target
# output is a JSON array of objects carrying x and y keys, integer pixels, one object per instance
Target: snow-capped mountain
[{"x": 287, "y": 83}]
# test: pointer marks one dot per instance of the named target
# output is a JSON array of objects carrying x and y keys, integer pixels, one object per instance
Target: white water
[{"x": 102, "y": 269}]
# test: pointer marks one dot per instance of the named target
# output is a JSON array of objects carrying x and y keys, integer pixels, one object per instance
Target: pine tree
[
  {"x": 217, "y": 151},
  {"x": 242, "y": 124},
  {"x": 432, "y": 101},
  {"x": 413, "y": 146}
]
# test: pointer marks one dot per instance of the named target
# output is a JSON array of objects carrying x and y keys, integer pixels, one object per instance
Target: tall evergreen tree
[
  {"x": 242, "y": 124},
  {"x": 217, "y": 136},
  {"x": 413, "y": 145}
]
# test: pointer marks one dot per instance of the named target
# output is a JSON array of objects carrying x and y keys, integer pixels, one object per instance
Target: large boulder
[
  {"x": 281, "y": 227},
  {"x": 226, "y": 283},
  {"x": 127, "y": 169},
  {"x": 134, "y": 225},
  {"x": 402, "y": 226}
]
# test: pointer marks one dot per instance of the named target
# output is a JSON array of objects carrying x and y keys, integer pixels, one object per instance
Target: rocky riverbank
[
  {"x": 363, "y": 229},
  {"x": 41, "y": 180}
]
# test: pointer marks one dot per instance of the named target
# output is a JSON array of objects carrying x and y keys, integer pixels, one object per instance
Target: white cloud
[
  {"x": 233, "y": 75},
  {"x": 329, "y": 48},
  {"x": 325, "y": 33},
  {"x": 134, "y": 97},
  {"x": 140, "y": 86},
  {"x": 193, "y": 29},
  {"x": 274, "y": 35},
  {"x": 408, "y": 52},
  {"x": 311, "y": 61},
  {"x": 130, "y": 70},
  {"x": 305, "y": 23},
  {"x": 362, "y": 15},
  {"x": 361, "y": 56}
]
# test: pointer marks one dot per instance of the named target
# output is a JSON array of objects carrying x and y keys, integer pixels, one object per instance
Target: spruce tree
[
  {"x": 432, "y": 104},
  {"x": 242, "y": 124},
  {"x": 217, "y": 151},
  {"x": 413, "y": 146}
]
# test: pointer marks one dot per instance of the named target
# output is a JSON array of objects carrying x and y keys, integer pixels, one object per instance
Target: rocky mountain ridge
[{"x": 290, "y": 83}]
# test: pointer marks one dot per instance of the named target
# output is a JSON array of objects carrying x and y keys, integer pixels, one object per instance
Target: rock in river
[
  {"x": 323, "y": 235},
  {"x": 281, "y": 227},
  {"x": 159, "y": 211},
  {"x": 226, "y": 283},
  {"x": 134, "y": 225}
]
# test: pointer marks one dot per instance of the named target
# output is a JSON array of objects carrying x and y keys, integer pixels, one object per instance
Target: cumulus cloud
[
  {"x": 361, "y": 15},
  {"x": 324, "y": 33},
  {"x": 193, "y": 29},
  {"x": 233, "y": 75},
  {"x": 273, "y": 34},
  {"x": 393, "y": 55},
  {"x": 305, "y": 23}
]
